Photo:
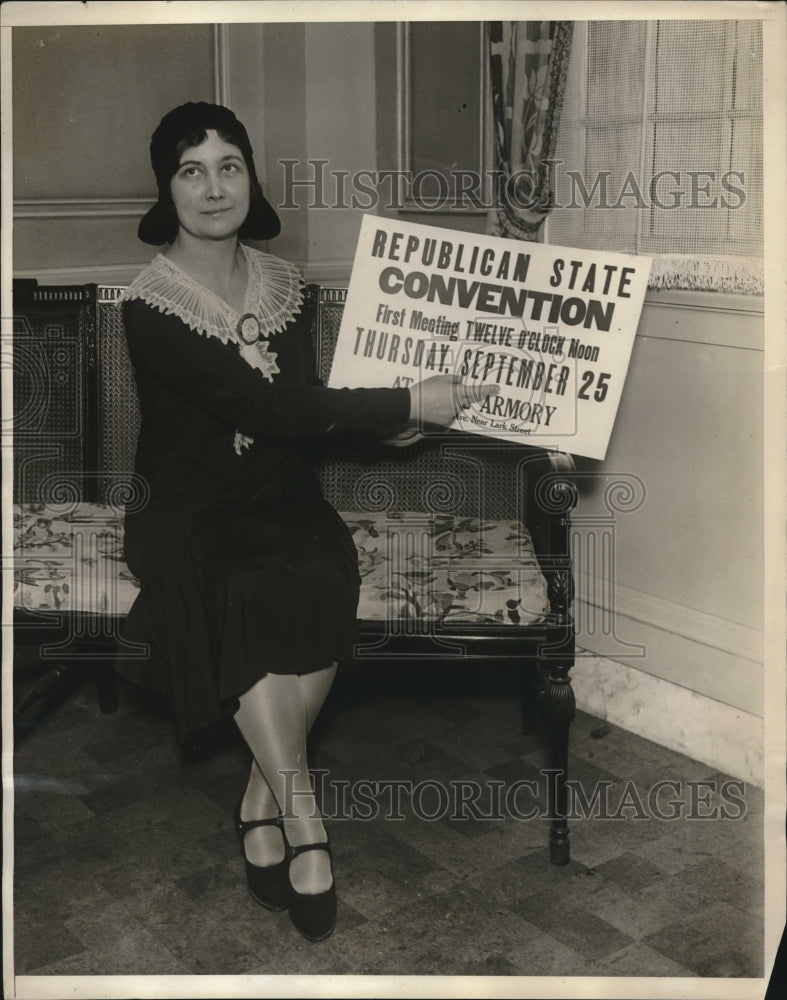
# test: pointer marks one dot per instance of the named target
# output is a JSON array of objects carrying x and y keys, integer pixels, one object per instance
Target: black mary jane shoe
[
  {"x": 314, "y": 915},
  {"x": 269, "y": 885}
]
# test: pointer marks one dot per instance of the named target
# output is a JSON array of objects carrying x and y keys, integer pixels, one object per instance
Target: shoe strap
[
  {"x": 297, "y": 849},
  {"x": 244, "y": 825}
]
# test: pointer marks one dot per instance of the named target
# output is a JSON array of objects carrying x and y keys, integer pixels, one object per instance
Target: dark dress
[{"x": 244, "y": 568}]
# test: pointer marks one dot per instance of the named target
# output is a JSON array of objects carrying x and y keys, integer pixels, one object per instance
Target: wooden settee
[{"x": 463, "y": 540}]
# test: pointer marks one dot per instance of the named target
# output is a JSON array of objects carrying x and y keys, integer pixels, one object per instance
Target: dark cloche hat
[{"x": 187, "y": 125}]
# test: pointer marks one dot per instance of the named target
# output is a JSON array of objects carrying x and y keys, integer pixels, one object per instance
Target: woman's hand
[
  {"x": 404, "y": 438},
  {"x": 438, "y": 400}
]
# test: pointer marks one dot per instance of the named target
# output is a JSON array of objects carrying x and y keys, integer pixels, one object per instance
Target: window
[{"x": 660, "y": 148}]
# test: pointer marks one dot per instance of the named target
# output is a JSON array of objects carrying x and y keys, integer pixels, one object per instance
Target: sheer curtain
[{"x": 659, "y": 149}]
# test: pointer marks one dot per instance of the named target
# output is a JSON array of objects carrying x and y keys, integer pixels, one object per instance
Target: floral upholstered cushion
[
  {"x": 69, "y": 557},
  {"x": 447, "y": 568},
  {"x": 432, "y": 567}
]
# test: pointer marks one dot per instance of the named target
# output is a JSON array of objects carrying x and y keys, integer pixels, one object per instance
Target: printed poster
[{"x": 552, "y": 326}]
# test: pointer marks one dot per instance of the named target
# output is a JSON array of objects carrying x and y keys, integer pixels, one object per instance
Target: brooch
[{"x": 249, "y": 329}]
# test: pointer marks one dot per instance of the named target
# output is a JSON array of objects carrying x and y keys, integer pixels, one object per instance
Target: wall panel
[
  {"x": 85, "y": 102},
  {"x": 686, "y": 581},
  {"x": 86, "y": 99}
]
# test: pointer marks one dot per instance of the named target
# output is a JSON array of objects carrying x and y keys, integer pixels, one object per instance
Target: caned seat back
[
  {"x": 77, "y": 419},
  {"x": 116, "y": 399},
  {"x": 53, "y": 354},
  {"x": 76, "y": 416}
]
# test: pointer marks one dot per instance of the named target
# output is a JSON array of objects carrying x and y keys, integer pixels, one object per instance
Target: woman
[{"x": 236, "y": 538}]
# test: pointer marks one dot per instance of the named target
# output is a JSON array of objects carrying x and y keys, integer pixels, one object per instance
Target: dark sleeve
[{"x": 214, "y": 377}]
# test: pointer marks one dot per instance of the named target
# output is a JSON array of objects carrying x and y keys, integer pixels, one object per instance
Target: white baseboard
[{"x": 690, "y": 723}]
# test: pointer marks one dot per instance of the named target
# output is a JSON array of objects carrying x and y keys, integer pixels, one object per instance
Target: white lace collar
[{"x": 273, "y": 294}]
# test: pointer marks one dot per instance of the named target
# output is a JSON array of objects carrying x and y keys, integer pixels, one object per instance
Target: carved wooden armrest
[{"x": 562, "y": 461}]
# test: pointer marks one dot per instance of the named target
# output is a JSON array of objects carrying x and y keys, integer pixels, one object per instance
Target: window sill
[
  {"x": 686, "y": 298},
  {"x": 720, "y": 319}
]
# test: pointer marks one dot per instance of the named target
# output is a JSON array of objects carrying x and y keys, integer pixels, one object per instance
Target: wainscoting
[{"x": 669, "y": 538}]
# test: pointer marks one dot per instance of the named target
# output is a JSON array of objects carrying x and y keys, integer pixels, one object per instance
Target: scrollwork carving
[{"x": 560, "y": 591}]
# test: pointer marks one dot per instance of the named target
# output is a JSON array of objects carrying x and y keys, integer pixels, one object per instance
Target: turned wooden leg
[
  {"x": 553, "y": 498},
  {"x": 559, "y": 708}
]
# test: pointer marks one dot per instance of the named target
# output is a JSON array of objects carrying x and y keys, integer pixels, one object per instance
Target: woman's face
[{"x": 210, "y": 189}]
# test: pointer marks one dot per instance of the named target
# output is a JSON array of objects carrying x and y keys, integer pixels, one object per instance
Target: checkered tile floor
[{"x": 127, "y": 863}]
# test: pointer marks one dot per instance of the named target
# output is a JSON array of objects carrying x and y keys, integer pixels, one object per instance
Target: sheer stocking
[{"x": 274, "y": 719}]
